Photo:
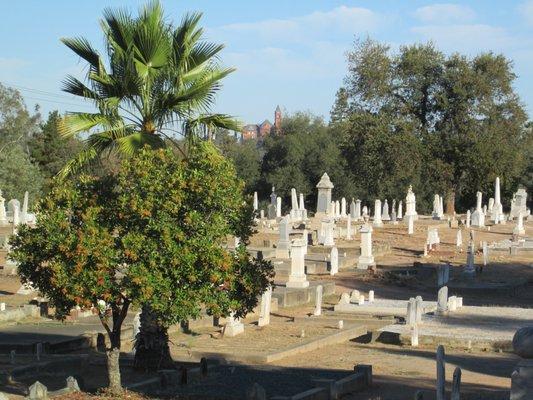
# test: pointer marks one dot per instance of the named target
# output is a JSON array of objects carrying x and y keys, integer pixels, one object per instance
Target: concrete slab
[
  {"x": 481, "y": 328},
  {"x": 382, "y": 308}
]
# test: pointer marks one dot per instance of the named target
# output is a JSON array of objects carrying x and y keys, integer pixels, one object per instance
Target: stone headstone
[
  {"x": 478, "y": 217},
  {"x": 366, "y": 259},
  {"x": 518, "y": 204},
  {"x": 278, "y": 207},
  {"x": 38, "y": 391},
  {"x": 410, "y": 224},
  {"x": 442, "y": 300},
  {"x": 410, "y": 319},
  {"x": 327, "y": 226},
  {"x": 72, "y": 384},
  {"x": 456, "y": 384},
  {"x": 271, "y": 211},
  {"x": 334, "y": 261},
  {"x": 233, "y": 326},
  {"x": 377, "y": 222},
  {"x": 294, "y": 200},
  {"x": 352, "y": 209},
  {"x": 410, "y": 204},
  {"x": 318, "y": 301},
  {"x": 266, "y": 300},
  {"x": 521, "y": 388},
  {"x": 468, "y": 219},
  {"x": 343, "y": 208},
  {"x": 385, "y": 215},
  {"x": 354, "y": 297},
  {"x": 419, "y": 306},
  {"x": 519, "y": 229},
  {"x": 2, "y": 306},
  {"x": 497, "y": 209},
  {"x": 441, "y": 374},
  {"x": 345, "y": 298},
  {"x": 284, "y": 244},
  {"x": 371, "y": 296},
  {"x": 324, "y": 194},
  {"x": 256, "y": 202},
  {"x": 469, "y": 269},
  {"x": 400, "y": 212},
  {"x": 414, "y": 335},
  {"x": 459, "y": 238}
]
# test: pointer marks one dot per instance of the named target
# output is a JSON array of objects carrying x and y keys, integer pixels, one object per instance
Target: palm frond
[
  {"x": 78, "y": 162},
  {"x": 83, "y": 48}
]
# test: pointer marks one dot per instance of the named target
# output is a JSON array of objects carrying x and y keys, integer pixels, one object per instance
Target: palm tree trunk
[{"x": 151, "y": 344}]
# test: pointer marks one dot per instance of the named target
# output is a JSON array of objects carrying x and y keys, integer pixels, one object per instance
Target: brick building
[{"x": 260, "y": 131}]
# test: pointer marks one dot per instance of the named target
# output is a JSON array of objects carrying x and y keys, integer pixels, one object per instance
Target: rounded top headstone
[{"x": 523, "y": 342}]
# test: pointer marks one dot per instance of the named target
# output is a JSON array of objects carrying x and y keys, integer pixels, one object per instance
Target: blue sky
[{"x": 290, "y": 53}]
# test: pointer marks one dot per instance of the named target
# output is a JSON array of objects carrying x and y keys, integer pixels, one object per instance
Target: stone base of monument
[
  {"x": 234, "y": 329},
  {"x": 522, "y": 381},
  {"x": 289, "y": 297},
  {"x": 366, "y": 263},
  {"x": 297, "y": 282}
]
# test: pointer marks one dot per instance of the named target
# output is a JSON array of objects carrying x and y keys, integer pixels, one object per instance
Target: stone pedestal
[
  {"x": 297, "y": 277},
  {"x": 366, "y": 259}
]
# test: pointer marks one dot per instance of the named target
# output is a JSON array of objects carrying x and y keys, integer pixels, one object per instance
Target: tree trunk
[
  {"x": 450, "y": 203},
  {"x": 151, "y": 344},
  {"x": 113, "y": 370}
]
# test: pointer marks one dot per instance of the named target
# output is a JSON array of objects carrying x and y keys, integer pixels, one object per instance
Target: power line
[{"x": 59, "y": 102}]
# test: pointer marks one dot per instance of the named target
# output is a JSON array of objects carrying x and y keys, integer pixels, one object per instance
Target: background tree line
[
  {"x": 31, "y": 150},
  {"x": 447, "y": 124}
]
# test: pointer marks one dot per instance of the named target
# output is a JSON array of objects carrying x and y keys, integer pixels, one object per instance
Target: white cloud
[
  {"x": 469, "y": 38},
  {"x": 341, "y": 19},
  {"x": 444, "y": 13},
  {"x": 526, "y": 9}
]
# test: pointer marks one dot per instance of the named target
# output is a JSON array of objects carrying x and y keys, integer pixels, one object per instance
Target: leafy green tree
[
  {"x": 18, "y": 174},
  {"x": 300, "y": 156},
  {"x": 17, "y": 126},
  {"x": 246, "y": 157},
  {"x": 463, "y": 112},
  {"x": 50, "y": 151},
  {"x": 159, "y": 82},
  {"x": 152, "y": 234}
]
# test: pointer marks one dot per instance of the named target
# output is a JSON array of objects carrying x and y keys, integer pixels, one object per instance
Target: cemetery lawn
[{"x": 281, "y": 334}]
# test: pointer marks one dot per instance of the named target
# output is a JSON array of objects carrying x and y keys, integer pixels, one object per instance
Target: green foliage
[
  {"x": 153, "y": 234},
  {"x": 300, "y": 156},
  {"x": 456, "y": 118},
  {"x": 159, "y": 81},
  {"x": 177, "y": 214},
  {"x": 50, "y": 151},
  {"x": 18, "y": 174},
  {"x": 245, "y": 156},
  {"x": 17, "y": 126}
]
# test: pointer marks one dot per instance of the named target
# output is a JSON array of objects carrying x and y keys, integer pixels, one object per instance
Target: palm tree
[{"x": 159, "y": 82}]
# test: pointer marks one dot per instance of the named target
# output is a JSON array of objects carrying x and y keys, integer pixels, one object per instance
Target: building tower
[{"x": 277, "y": 119}]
